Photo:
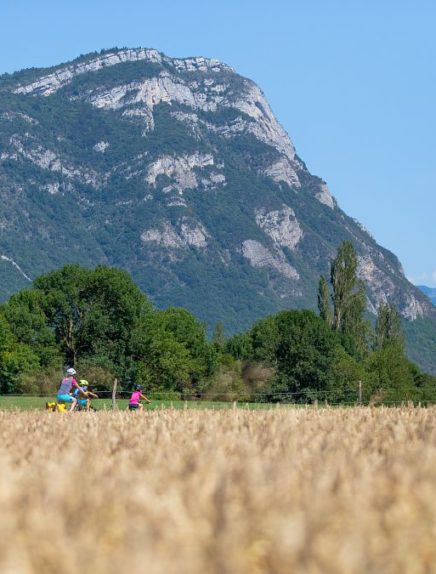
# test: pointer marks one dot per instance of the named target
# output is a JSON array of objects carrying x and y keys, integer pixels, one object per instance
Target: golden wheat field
[{"x": 226, "y": 492}]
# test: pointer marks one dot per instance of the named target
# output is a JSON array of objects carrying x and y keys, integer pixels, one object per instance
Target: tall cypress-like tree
[
  {"x": 349, "y": 300},
  {"x": 218, "y": 337},
  {"x": 388, "y": 327},
  {"x": 343, "y": 279},
  {"x": 325, "y": 311}
]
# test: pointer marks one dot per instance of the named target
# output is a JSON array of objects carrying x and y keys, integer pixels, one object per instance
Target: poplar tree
[
  {"x": 344, "y": 280},
  {"x": 349, "y": 299},
  {"x": 218, "y": 337},
  {"x": 324, "y": 308},
  {"x": 388, "y": 327}
]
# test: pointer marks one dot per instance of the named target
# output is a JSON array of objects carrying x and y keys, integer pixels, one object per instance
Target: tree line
[{"x": 99, "y": 321}]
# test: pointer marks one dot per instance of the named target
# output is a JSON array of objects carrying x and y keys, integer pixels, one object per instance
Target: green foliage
[
  {"x": 28, "y": 322},
  {"x": 349, "y": 301},
  {"x": 218, "y": 337},
  {"x": 166, "y": 363},
  {"x": 16, "y": 360},
  {"x": 172, "y": 348},
  {"x": 14, "y": 365},
  {"x": 64, "y": 307},
  {"x": 324, "y": 308},
  {"x": 265, "y": 340},
  {"x": 355, "y": 328},
  {"x": 424, "y": 383},
  {"x": 305, "y": 353},
  {"x": 343, "y": 279},
  {"x": 187, "y": 330},
  {"x": 316, "y": 358},
  {"x": 98, "y": 320},
  {"x": 388, "y": 329},
  {"x": 347, "y": 373},
  {"x": 240, "y": 346},
  {"x": 6, "y": 336},
  {"x": 92, "y": 312},
  {"x": 389, "y": 376}
]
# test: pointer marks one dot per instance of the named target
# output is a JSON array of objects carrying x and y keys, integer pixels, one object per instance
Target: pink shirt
[{"x": 135, "y": 398}]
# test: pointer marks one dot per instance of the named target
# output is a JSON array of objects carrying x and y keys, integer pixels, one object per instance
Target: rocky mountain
[{"x": 178, "y": 171}]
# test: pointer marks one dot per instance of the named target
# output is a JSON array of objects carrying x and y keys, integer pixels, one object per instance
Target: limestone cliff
[{"x": 178, "y": 171}]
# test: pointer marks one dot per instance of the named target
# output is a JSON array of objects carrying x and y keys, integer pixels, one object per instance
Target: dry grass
[{"x": 227, "y": 492}]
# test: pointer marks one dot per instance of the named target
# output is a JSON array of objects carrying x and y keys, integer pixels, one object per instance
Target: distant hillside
[
  {"x": 429, "y": 291},
  {"x": 178, "y": 171}
]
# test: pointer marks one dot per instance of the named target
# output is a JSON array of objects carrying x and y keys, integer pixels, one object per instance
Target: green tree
[
  {"x": 92, "y": 313},
  {"x": 7, "y": 338},
  {"x": 240, "y": 346},
  {"x": 28, "y": 322},
  {"x": 16, "y": 362},
  {"x": 305, "y": 354},
  {"x": 162, "y": 361},
  {"x": 424, "y": 383},
  {"x": 325, "y": 311},
  {"x": 265, "y": 339},
  {"x": 388, "y": 329},
  {"x": 64, "y": 307},
  {"x": 191, "y": 333},
  {"x": 172, "y": 350},
  {"x": 389, "y": 376},
  {"x": 218, "y": 337},
  {"x": 349, "y": 300},
  {"x": 343, "y": 279},
  {"x": 114, "y": 306},
  {"x": 347, "y": 373}
]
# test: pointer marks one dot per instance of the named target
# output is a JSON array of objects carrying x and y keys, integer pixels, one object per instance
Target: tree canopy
[{"x": 99, "y": 321}]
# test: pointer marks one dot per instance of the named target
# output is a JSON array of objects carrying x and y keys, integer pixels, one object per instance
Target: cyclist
[
  {"x": 134, "y": 403},
  {"x": 68, "y": 383},
  {"x": 83, "y": 395}
]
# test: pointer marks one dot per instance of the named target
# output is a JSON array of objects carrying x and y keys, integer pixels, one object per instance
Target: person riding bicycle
[
  {"x": 68, "y": 383},
  {"x": 134, "y": 402},
  {"x": 84, "y": 395}
]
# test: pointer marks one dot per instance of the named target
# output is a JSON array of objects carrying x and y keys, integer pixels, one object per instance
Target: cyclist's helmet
[
  {"x": 138, "y": 388},
  {"x": 71, "y": 371}
]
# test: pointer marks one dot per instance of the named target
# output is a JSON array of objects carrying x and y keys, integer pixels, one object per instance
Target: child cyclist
[
  {"x": 83, "y": 395},
  {"x": 134, "y": 403},
  {"x": 68, "y": 383}
]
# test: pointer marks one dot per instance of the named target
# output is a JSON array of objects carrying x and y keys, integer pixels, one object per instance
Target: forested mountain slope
[{"x": 177, "y": 171}]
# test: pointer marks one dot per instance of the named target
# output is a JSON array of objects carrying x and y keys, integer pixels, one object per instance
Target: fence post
[
  {"x": 114, "y": 394},
  {"x": 360, "y": 393}
]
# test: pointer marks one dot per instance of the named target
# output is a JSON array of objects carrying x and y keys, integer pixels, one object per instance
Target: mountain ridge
[
  {"x": 177, "y": 170},
  {"x": 429, "y": 291}
]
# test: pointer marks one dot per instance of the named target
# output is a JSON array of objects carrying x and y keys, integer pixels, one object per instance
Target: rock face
[{"x": 178, "y": 171}]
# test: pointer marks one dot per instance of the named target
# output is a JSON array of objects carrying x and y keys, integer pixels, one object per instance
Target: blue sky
[{"x": 352, "y": 81}]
